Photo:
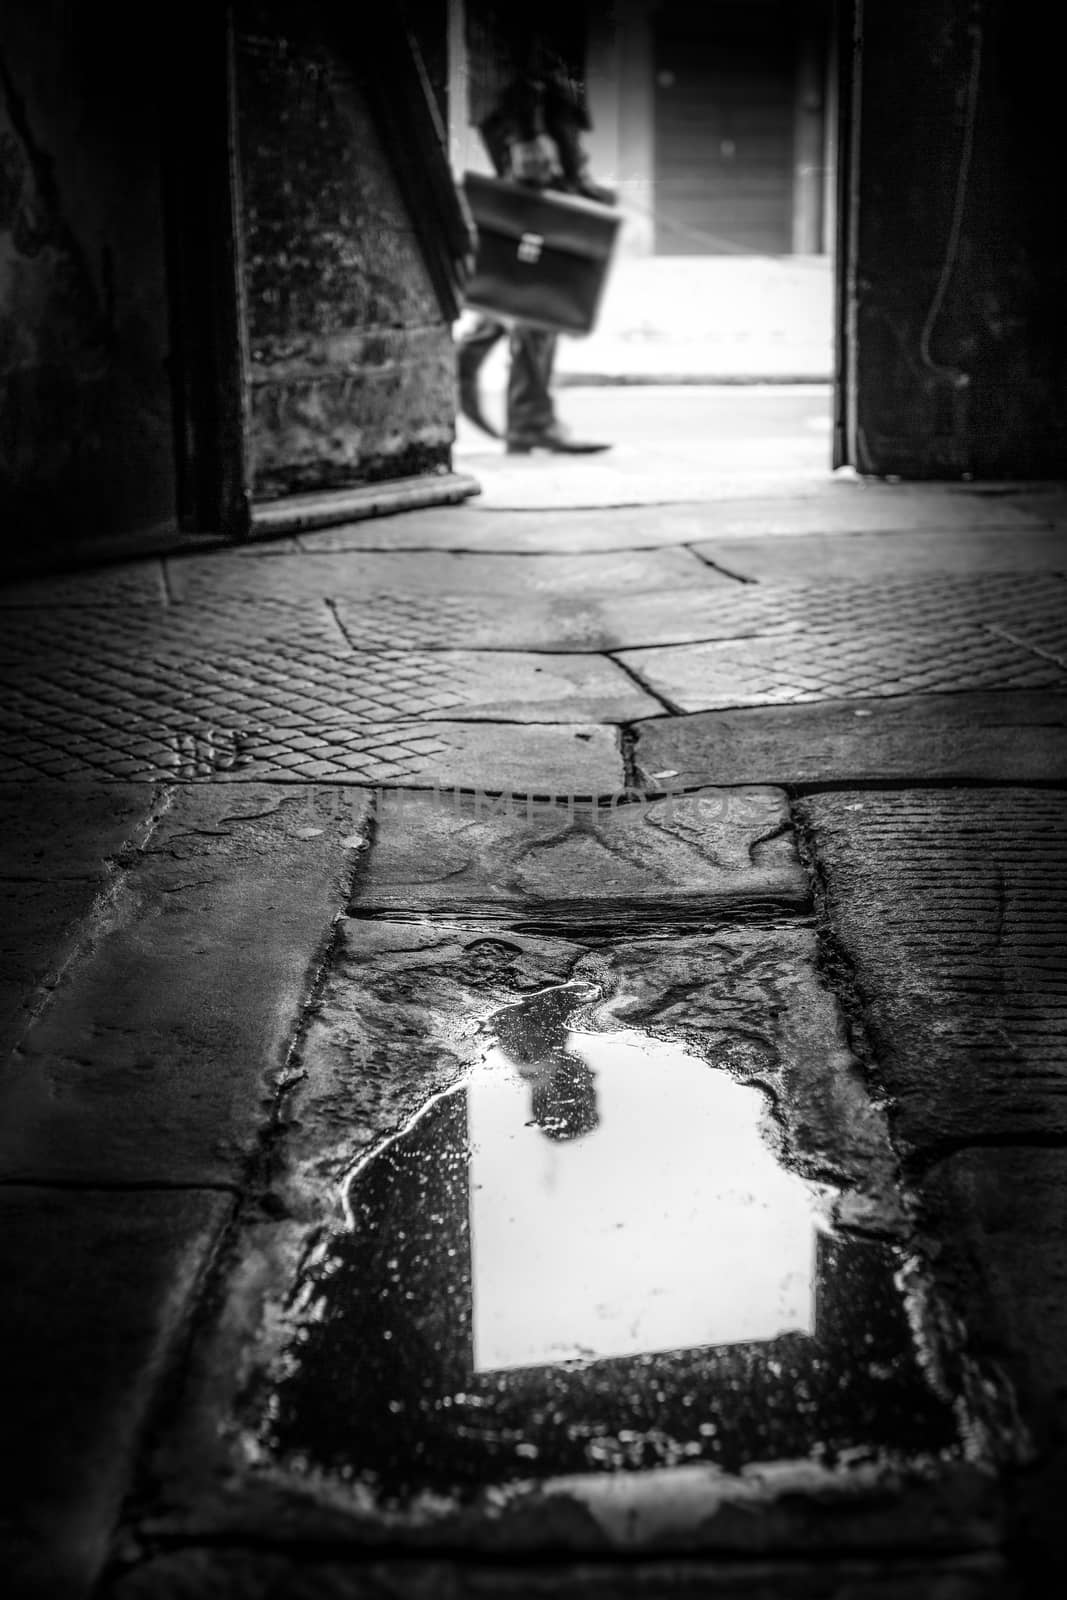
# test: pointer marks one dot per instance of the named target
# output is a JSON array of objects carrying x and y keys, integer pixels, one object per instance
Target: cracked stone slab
[
  {"x": 319, "y": 683},
  {"x": 356, "y": 575},
  {"x": 526, "y": 758},
  {"x": 98, "y": 1288},
  {"x": 1031, "y": 606},
  {"x": 591, "y": 621},
  {"x": 474, "y": 528},
  {"x": 427, "y": 984},
  {"x": 274, "y": 657},
  {"x": 747, "y": 998},
  {"x": 397, "y": 1022},
  {"x": 156, "y": 1057},
  {"x": 785, "y": 668},
  {"x": 889, "y": 602},
  {"x": 58, "y": 849},
  {"x": 949, "y": 910},
  {"x": 509, "y": 686},
  {"x": 838, "y": 509},
  {"x": 1013, "y": 736},
  {"x": 199, "y": 1574},
  {"x": 447, "y": 685},
  {"x": 716, "y": 853},
  {"x": 70, "y": 830},
  {"x": 38, "y": 931},
  {"x": 220, "y": 743},
  {"x": 818, "y": 556},
  {"x": 1044, "y": 635}
]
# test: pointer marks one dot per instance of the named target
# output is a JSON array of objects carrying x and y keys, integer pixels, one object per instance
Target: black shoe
[
  {"x": 470, "y": 401},
  {"x": 554, "y": 438}
]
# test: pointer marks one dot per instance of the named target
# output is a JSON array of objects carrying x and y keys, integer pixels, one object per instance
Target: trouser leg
[
  {"x": 530, "y": 409},
  {"x": 472, "y": 348},
  {"x": 475, "y": 345}
]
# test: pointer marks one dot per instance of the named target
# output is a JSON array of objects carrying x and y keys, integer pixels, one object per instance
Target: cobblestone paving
[
  {"x": 884, "y": 604},
  {"x": 803, "y": 642},
  {"x": 286, "y": 707},
  {"x": 212, "y": 899},
  {"x": 34, "y": 635},
  {"x": 787, "y": 668},
  {"x": 1030, "y": 606},
  {"x": 140, "y": 583},
  {"x": 531, "y": 758},
  {"x": 283, "y": 683}
]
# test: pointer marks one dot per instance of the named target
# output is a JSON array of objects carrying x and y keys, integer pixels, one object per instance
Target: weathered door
[
  {"x": 952, "y": 348},
  {"x": 349, "y": 344}
]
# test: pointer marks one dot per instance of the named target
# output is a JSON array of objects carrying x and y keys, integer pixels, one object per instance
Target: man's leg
[
  {"x": 532, "y": 422},
  {"x": 472, "y": 348},
  {"x": 531, "y": 412}
]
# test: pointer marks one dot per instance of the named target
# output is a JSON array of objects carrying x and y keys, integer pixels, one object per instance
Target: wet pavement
[
  {"x": 586, "y": 1258},
  {"x": 543, "y": 1031}
]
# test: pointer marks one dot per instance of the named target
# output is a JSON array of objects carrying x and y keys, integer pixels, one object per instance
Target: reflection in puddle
[
  {"x": 587, "y": 1258},
  {"x": 670, "y": 1224}
]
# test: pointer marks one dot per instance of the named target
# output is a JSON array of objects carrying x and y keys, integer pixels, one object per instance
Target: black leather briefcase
[{"x": 542, "y": 257}]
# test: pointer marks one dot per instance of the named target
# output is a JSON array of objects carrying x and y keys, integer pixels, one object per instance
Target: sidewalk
[
  {"x": 649, "y": 754},
  {"x": 706, "y": 319}
]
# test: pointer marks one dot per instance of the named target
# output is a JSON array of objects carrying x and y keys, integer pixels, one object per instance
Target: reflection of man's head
[
  {"x": 533, "y": 1035},
  {"x": 564, "y": 1102}
]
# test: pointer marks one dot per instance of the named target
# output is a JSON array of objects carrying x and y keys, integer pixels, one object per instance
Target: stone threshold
[{"x": 302, "y": 513}]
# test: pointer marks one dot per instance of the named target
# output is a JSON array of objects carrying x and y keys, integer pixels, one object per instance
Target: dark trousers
[{"x": 532, "y": 356}]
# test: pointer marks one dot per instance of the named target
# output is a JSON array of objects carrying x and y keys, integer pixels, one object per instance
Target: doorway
[
  {"x": 716, "y": 125},
  {"x": 722, "y": 128}
]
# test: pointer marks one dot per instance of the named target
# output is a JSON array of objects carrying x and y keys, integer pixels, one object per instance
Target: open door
[
  {"x": 317, "y": 247},
  {"x": 352, "y": 243}
]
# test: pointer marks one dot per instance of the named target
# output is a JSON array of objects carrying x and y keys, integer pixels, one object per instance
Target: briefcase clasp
[{"x": 530, "y": 247}]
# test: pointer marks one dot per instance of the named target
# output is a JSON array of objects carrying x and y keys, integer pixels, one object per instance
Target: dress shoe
[{"x": 555, "y": 438}]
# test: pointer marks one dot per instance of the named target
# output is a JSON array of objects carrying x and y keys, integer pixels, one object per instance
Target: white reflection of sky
[{"x": 669, "y": 1226}]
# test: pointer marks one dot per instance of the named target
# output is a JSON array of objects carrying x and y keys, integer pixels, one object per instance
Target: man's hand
[{"x": 534, "y": 161}]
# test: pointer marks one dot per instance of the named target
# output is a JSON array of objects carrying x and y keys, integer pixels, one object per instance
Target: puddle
[{"x": 587, "y": 1258}]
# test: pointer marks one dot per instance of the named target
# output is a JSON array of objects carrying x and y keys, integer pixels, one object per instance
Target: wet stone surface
[
  {"x": 1007, "y": 735},
  {"x": 690, "y": 855},
  {"x": 399, "y": 1021},
  {"x": 586, "y": 1258},
  {"x": 948, "y": 907}
]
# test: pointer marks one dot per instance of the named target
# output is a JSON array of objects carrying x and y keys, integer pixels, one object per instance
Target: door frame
[
  {"x": 848, "y": 26},
  {"x": 209, "y": 354}
]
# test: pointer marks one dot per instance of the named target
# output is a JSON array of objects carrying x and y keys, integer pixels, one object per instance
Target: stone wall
[
  {"x": 351, "y": 368},
  {"x": 86, "y": 442}
]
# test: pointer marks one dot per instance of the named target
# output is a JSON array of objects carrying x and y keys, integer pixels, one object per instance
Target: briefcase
[{"x": 542, "y": 257}]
